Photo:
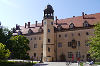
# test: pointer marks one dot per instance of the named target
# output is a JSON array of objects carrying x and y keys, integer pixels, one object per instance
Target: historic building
[{"x": 59, "y": 39}]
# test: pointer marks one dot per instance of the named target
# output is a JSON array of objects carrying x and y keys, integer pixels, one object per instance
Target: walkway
[{"x": 56, "y": 64}]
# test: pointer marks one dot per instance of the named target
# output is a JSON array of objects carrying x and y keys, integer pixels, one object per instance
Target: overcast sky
[{"x": 14, "y": 12}]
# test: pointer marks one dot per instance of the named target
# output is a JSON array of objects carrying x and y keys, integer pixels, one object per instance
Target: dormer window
[
  {"x": 30, "y": 31},
  {"x": 85, "y": 24},
  {"x": 59, "y": 27},
  {"x": 19, "y": 33},
  {"x": 71, "y": 26},
  {"x": 40, "y": 29}
]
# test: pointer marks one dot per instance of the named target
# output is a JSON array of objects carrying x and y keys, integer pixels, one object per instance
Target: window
[
  {"x": 78, "y": 43},
  {"x": 78, "y": 55},
  {"x": 48, "y": 30},
  {"x": 41, "y": 54},
  {"x": 70, "y": 54},
  {"x": 87, "y": 33},
  {"x": 71, "y": 26},
  {"x": 30, "y": 31},
  {"x": 48, "y": 49},
  {"x": 69, "y": 44},
  {"x": 51, "y": 23},
  {"x": 34, "y": 54},
  {"x": 35, "y": 45},
  {"x": 72, "y": 34},
  {"x": 39, "y": 38},
  {"x": 34, "y": 38},
  {"x": 59, "y": 44},
  {"x": 78, "y": 34},
  {"x": 42, "y": 46},
  {"x": 31, "y": 39},
  {"x": 86, "y": 43},
  {"x": 49, "y": 40},
  {"x": 59, "y": 36},
  {"x": 85, "y": 24},
  {"x": 65, "y": 35}
]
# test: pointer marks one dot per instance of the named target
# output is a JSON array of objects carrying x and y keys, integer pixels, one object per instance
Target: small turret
[{"x": 48, "y": 12}]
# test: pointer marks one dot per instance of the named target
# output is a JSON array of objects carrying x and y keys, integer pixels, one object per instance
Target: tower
[{"x": 48, "y": 36}]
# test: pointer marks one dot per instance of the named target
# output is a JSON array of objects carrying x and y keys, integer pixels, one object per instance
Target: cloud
[{"x": 8, "y": 3}]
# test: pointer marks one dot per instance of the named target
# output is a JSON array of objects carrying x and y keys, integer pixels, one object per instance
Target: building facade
[{"x": 59, "y": 39}]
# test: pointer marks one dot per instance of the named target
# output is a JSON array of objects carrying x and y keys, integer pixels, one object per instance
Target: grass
[
  {"x": 81, "y": 64},
  {"x": 14, "y": 63},
  {"x": 98, "y": 63}
]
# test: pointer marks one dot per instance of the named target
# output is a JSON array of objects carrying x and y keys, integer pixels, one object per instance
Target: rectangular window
[
  {"x": 87, "y": 33},
  {"x": 48, "y": 49},
  {"x": 78, "y": 55},
  {"x": 48, "y": 30},
  {"x": 34, "y": 38},
  {"x": 35, "y": 45},
  {"x": 59, "y": 44},
  {"x": 69, "y": 44},
  {"x": 34, "y": 54},
  {"x": 78, "y": 43},
  {"x": 70, "y": 54},
  {"x": 39, "y": 38},
  {"x": 49, "y": 40},
  {"x": 78, "y": 34},
  {"x": 65, "y": 35}
]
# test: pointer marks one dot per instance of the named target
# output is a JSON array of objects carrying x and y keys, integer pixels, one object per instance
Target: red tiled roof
[{"x": 77, "y": 21}]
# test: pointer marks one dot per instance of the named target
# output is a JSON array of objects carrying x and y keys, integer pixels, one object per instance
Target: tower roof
[{"x": 48, "y": 9}]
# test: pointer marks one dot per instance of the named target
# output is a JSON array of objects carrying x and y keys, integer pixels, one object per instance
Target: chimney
[
  {"x": 25, "y": 25},
  {"x": 28, "y": 24},
  {"x": 36, "y": 24},
  {"x": 56, "y": 20},
  {"x": 42, "y": 22},
  {"x": 73, "y": 16},
  {"x": 17, "y": 27},
  {"x": 83, "y": 14}
]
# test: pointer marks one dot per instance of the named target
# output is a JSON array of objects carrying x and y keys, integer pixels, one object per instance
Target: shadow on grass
[{"x": 7, "y": 63}]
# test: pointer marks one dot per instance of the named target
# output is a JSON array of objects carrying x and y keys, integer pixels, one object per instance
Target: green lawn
[
  {"x": 81, "y": 64},
  {"x": 13, "y": 63},
  {"x": 98, "y": 63}
]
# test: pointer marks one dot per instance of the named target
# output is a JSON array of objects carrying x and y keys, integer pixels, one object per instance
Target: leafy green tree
[
  {"x": 5, "y": 35},
  {"x": 4, "y": 53},
  {"x": 18, "y": 45},
  {"x": 95, "y": 43}
]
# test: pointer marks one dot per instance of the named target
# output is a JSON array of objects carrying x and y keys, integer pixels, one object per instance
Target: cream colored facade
[{"x": 57, "y": 42}]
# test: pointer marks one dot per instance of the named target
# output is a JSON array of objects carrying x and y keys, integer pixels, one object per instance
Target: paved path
[{"x": 55, "y": 64}]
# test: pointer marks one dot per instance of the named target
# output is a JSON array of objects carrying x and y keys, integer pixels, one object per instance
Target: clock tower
[{"x": 48, "y": 35}]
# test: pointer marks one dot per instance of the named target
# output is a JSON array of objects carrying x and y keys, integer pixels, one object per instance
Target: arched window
[{"x": 71, "y": 26}]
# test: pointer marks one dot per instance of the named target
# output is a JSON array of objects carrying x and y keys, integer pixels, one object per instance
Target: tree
[
  {"x": 5, "y": 35},
  {"x": 18, "y": 45},
  {"x": 95, "y": 43},
  {"x": 4, "y": 53}
]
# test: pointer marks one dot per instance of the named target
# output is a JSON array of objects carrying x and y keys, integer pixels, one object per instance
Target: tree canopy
[
  {"x": 4, "y": 53},
  {"x": 18, "y": 45},
  {"x": 95, "y": 43}
]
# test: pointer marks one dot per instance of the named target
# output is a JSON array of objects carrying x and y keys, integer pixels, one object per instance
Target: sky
[{"x": 19, "y": 12}]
